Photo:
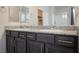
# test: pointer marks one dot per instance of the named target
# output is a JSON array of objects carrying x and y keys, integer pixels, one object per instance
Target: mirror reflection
[
  {"x": 48, "y": 15},
  {"x": 24, "y": 14}
]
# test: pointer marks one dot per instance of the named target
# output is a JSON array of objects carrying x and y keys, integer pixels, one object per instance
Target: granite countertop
[{"x": 50, "y": 31}]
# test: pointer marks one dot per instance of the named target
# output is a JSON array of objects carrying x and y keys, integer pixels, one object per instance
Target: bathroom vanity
[{"x": 40, "y": 41}]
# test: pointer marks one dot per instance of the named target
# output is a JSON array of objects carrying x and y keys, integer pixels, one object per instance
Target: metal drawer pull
[
  {"x": 21, "y": 35},
  {"x": 64, "y": 41},
  {"x": 30, "y": 36}
]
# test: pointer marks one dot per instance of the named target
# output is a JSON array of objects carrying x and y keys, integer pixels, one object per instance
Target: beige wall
[{"x": 3, "y": 22}]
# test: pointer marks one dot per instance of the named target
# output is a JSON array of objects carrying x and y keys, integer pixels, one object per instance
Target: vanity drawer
[
  {"x": 65, "y": 40},
  {"x": 22, "y": 34},
  {"x": 47, "y": 38},
  {"x": 7, "y": 33},
  {"x": 31, "y": 36},
  {"x": 14, "y": 33},
  {"x": 62, "y": 49}
]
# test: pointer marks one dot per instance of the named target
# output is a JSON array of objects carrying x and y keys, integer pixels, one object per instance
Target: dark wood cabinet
[
  {"x": 35, "y": 47},
  {"x": 63, "y": 49},
  {"x": 22, "y": 35},
  {"x": 14, "y": 33},
  {"x": 20, "y": 45},
  {"x": 65, "y": 40},
  {"x": 66, "y": 44},
  {"x": 10, "y": 45},
  {"x": 31, "y": 36},
  {"x": 49, "y": 48},
  {"x": 30, "y": 42},
  {"x": 47, "y": 38},
  {"x": 15, "y": 42}
]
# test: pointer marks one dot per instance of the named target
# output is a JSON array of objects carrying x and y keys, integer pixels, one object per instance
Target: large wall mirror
[
  {"x": 58, "y": 15},
  {"x": 18, "y": 14},
  {"x": 24, "y": 14},
  {"x": 51, "y": 15}
]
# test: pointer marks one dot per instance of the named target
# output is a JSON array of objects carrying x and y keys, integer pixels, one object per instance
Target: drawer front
[
  {"x": 62, "y": 49},
  {"x": 22, "y": 34},
  {"x": 7, "y": 33},
  {"x": 65, "y": 40},
  {"x": 20, "y": 45},
  {"x": 45, "y": 38},
  {"x": 31, "y": 36},
  {"x": 14, "y": 33}
]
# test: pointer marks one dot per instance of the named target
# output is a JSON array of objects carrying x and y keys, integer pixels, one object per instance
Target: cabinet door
[
  {"x": 20, "y": 45},
  {"x": 34, "y": 47},
  {"x": 49, "y": 48},
  {"x": 9, "y": 45},
  {"x": 63, "y": 49}
]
